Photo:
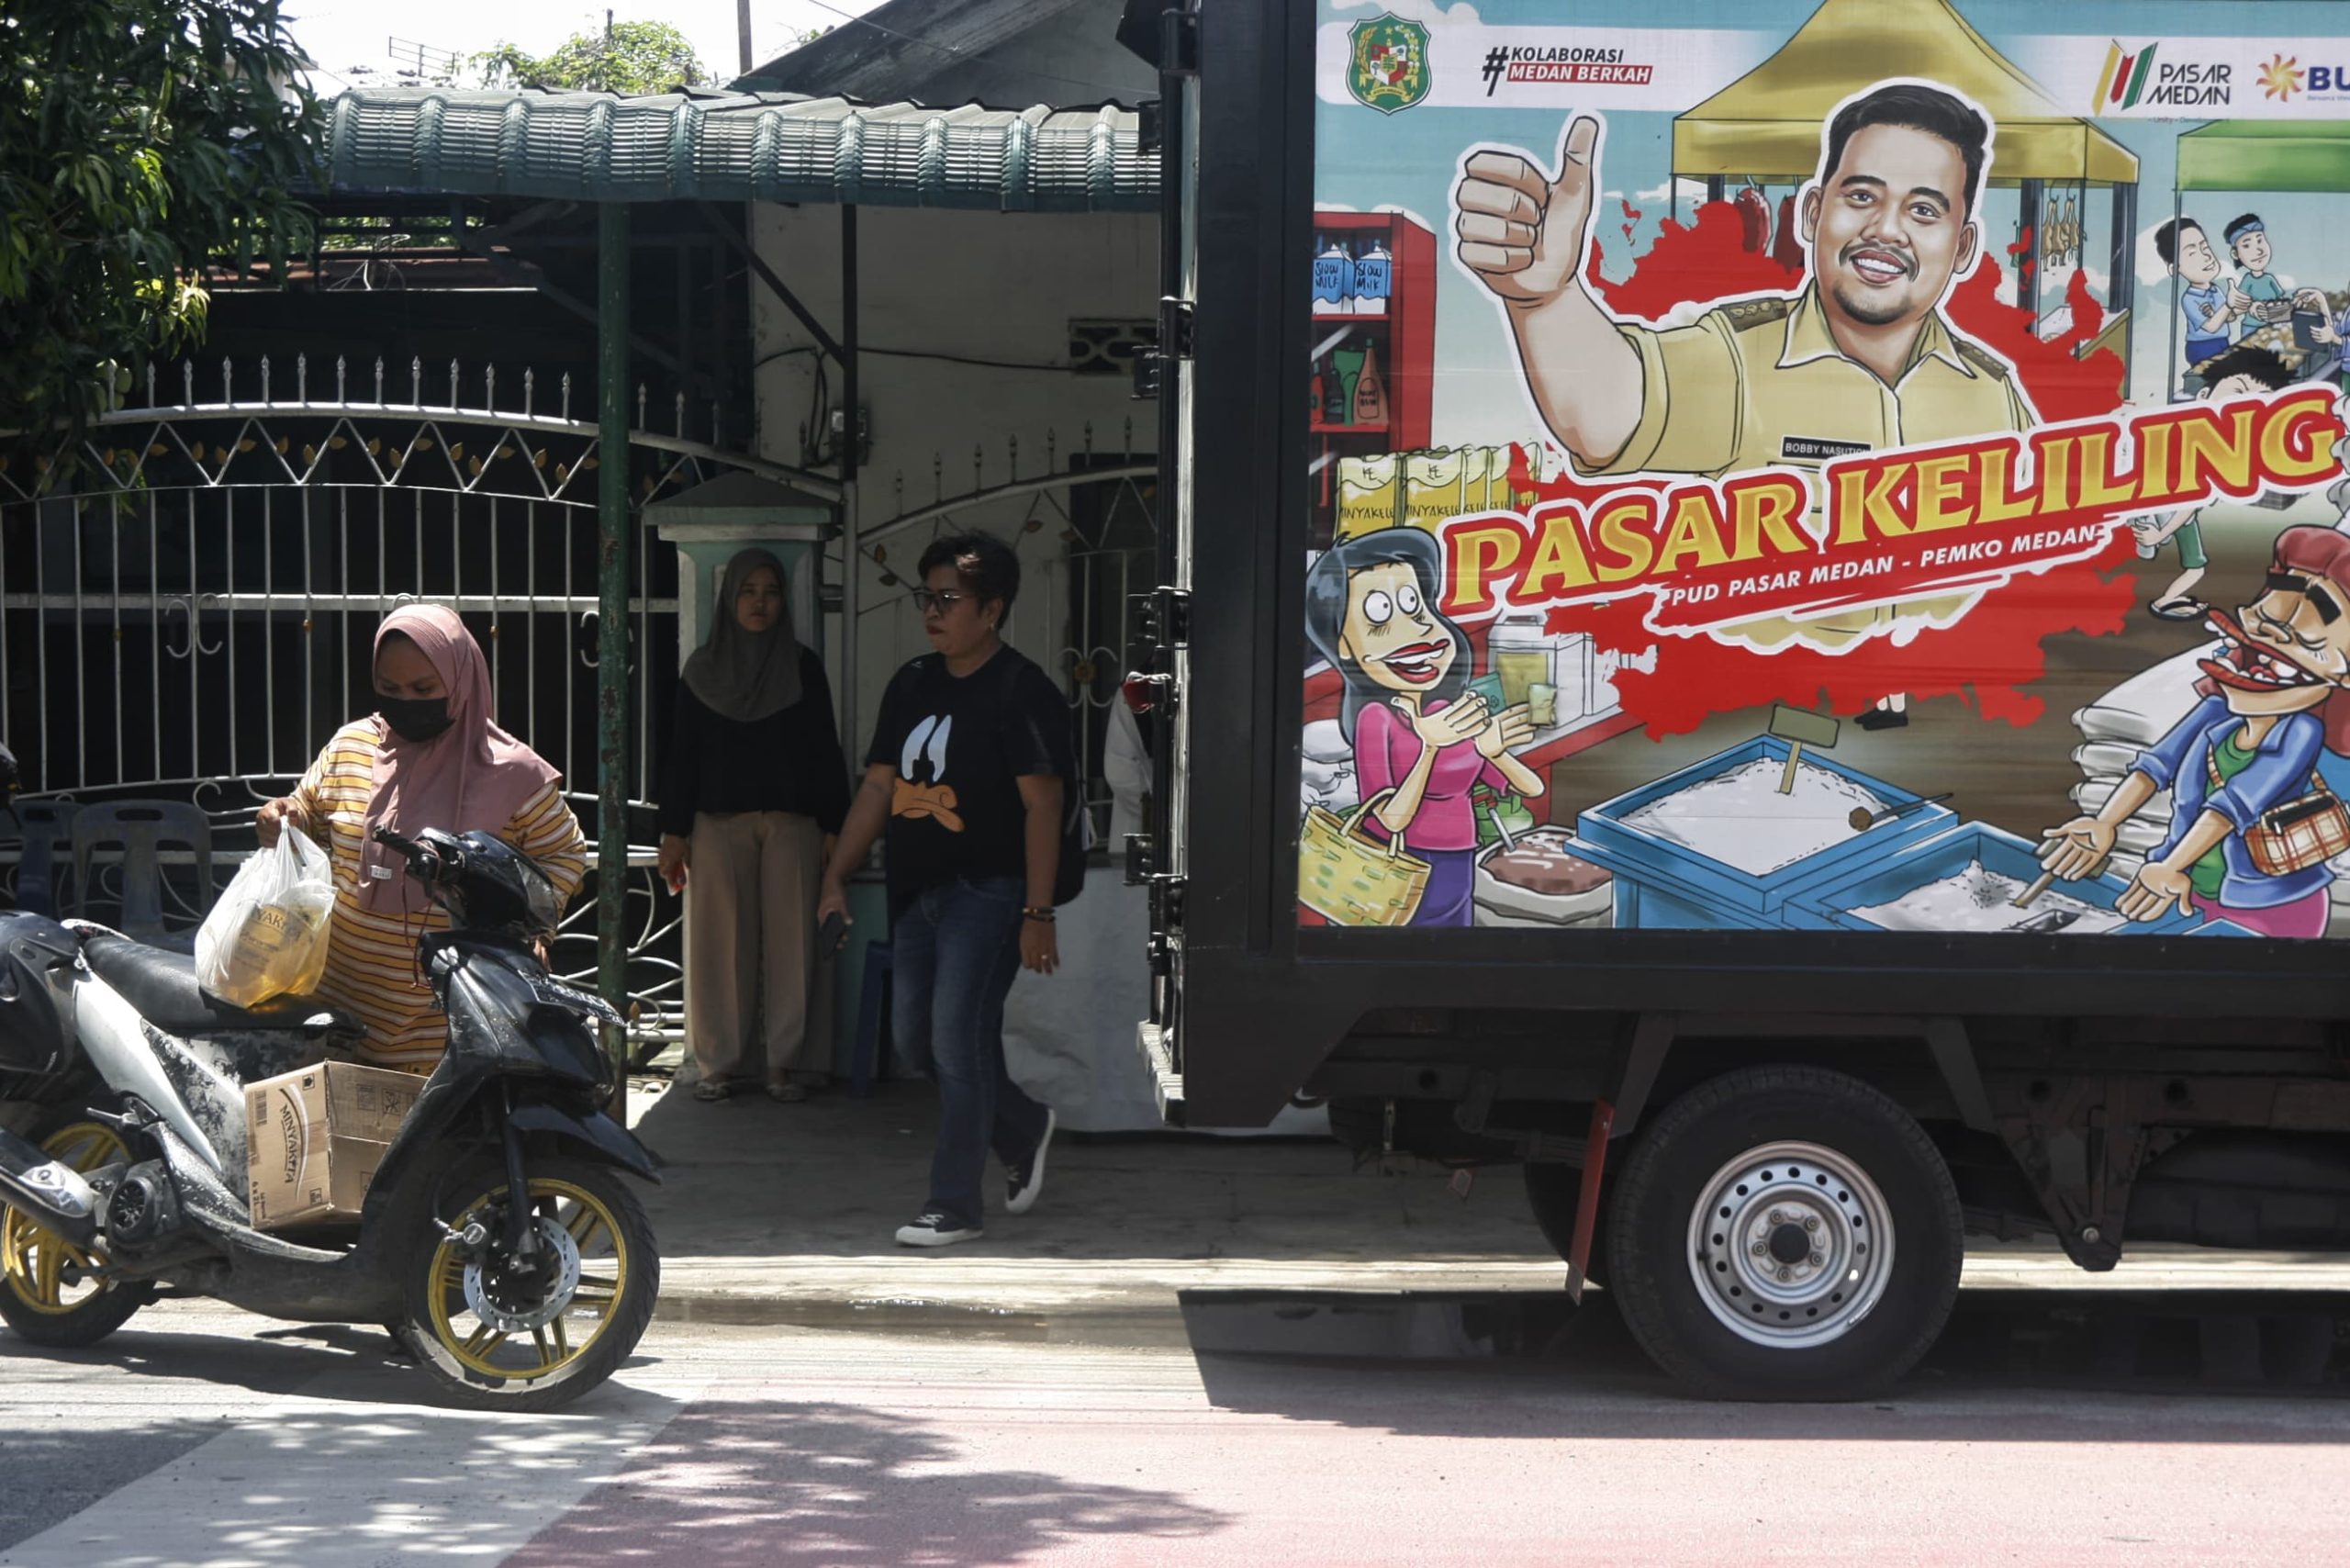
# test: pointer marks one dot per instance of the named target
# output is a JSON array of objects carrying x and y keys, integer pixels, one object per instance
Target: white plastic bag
[{"x": 267, "y": 936}]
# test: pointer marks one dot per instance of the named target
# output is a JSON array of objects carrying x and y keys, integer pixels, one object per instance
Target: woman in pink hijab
[{"x": 430, "y": 756}]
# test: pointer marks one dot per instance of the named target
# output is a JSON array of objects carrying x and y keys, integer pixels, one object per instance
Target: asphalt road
[{"x": 1485, "y": 1433}]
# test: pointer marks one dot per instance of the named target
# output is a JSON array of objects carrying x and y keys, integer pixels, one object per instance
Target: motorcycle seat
[{"x": 161, "y": 985}]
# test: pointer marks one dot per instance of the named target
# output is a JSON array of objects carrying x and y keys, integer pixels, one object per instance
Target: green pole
[{"x": 613, "y": 531}]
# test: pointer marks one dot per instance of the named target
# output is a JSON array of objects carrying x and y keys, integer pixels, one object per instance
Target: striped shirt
[{"x": 372, "y": 971}]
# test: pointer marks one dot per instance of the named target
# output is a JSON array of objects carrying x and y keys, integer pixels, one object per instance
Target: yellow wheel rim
[
  {"x": 44, "y": 1270},
  {"x": 525, "y": 1355}
]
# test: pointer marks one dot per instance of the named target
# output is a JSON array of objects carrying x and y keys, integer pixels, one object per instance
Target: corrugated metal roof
[{"x": 739, "y": 147}]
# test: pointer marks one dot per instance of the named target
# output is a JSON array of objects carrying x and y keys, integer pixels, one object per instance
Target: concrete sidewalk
[{"x": 784, "y": 1213}]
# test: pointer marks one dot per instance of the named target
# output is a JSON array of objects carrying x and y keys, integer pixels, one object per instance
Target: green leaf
[
  {"x": 632, "y": 57},
  {"x": 118, "y": 182}
]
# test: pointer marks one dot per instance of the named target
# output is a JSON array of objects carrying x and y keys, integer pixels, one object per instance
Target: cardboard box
[{"x": 314, "y": 1138}]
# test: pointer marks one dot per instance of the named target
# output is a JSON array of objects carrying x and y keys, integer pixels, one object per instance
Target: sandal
[
  {"x": 787, "y": 1093},
  {"x": 2178, "y": 610},
  {"x": 714, "y": 1088}
]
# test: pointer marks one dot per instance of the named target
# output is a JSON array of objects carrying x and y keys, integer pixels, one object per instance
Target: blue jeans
[{"x": 955, "y": 949}]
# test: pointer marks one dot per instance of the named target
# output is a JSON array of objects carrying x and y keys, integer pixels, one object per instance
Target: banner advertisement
[{"x": 1832, "y": 464}]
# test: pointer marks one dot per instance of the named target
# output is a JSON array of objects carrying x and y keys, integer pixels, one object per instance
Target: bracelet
[{"x": 1045, "y": 916}]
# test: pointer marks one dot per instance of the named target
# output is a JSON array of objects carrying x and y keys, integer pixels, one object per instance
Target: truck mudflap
[{"x": 1594, "y": 1171}]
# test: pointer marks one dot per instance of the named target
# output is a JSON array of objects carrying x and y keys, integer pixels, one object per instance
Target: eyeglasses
[{"x": 928, "y": 600}]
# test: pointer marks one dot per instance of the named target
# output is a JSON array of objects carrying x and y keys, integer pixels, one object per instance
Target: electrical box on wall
[{"x": 864, "y": 432}]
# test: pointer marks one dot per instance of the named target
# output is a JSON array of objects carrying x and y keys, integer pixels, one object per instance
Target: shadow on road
[
  {"x": 274, "y": 1361},
  {"x": 327, "y": 1362},
  {"x": 343, "y": 1463},
  {"x": 770, "y": 1482},
  {"x": 1375, "y": 1359}
]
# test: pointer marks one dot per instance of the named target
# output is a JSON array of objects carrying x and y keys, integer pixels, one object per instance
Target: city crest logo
[{"x": 1389, "y": 68}]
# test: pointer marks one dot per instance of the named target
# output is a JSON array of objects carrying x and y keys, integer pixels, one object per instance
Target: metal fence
[{"x": 187, "y": 611}]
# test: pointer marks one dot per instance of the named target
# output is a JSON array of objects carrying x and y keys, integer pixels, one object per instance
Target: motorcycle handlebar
[
  {"x": 423, "y": 863},
  {"x": 394, "y": 840}
]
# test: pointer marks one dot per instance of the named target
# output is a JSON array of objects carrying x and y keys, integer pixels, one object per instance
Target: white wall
[{"x": 977, "y": 286}]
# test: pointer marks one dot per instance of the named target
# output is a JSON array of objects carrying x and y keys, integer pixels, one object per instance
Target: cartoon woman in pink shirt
[{"x": 1421, "y": 738}]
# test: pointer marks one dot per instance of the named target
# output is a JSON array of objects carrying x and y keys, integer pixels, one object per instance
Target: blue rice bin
[
  {"x": 1660, "y": 885},
  {"x": 1829, "y": 906},
  {"x": 2222, "y": 928}
]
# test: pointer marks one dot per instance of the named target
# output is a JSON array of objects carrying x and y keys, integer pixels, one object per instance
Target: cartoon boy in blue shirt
[{"x": 2203, "y": 298}]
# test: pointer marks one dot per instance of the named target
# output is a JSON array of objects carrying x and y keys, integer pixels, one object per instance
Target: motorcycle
[{"x": 496, "y": 1240}]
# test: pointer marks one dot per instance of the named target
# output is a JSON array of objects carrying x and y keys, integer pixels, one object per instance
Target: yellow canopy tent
[{"x": 1766, "y": 124}]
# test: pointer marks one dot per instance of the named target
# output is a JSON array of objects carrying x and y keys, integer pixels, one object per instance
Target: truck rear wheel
[{"x": 1785, "y": 1233}]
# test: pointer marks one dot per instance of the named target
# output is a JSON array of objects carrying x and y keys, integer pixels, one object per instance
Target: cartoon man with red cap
[{"x": 2253, "y": 826}]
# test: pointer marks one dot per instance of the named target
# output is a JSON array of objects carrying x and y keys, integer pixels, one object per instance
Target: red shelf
[{"x": 1403, "y": 336}]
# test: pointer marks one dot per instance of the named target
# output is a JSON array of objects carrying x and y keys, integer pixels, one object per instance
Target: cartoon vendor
[
  {"x": 2254, "y": 826},
  {"x": 2186, "y": 251},
  {"x": 1422, "y": 740},
  {"x": 2248, "y": 243}
]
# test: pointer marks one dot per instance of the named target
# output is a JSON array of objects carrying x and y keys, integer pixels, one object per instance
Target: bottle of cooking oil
[{"x": 281, "y": 948}]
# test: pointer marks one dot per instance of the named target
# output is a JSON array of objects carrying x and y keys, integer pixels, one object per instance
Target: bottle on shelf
[
  {"x": 1374, "y": 280},
  {"x": 1370, "y": 392},
  {"x": 1345, "y": 373},
  {"x": 1333, "y": 278}
]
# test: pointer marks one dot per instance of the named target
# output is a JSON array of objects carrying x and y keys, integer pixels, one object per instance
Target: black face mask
[{"x": 417, "y": 719}]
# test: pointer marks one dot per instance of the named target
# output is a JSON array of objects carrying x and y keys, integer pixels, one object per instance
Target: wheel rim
[
  {"x": 490, "y": 1333},
  {"x": 1790, "y": 1245},
  {"x": 44, "y": 1272}
]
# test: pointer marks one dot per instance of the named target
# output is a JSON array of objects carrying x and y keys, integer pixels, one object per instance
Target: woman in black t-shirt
[
  {"x": 964, "y": 776},
  {"x": 754, "y": 786}
]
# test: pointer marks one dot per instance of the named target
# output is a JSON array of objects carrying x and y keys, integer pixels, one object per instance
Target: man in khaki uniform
[{"x": 1861, "y": 358}]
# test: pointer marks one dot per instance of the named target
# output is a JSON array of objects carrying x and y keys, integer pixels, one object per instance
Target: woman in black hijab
[{"x": 754, "y": 786}]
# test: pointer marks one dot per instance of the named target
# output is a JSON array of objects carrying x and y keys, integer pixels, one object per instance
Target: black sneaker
[
  {"x": 1023, "y": 1182},
  {"x": 935, "y": 1230}
]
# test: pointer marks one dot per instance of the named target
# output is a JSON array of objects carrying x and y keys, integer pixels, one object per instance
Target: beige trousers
[{"x": 751, "y": 942}]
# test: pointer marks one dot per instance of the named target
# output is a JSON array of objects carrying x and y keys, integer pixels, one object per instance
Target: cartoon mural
[
  {"x": 1423, "y": 737},
  {"x": 1766, "y": 475}
]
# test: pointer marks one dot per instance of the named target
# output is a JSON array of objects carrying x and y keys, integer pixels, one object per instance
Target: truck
[{"x": 1740, "y": 629}]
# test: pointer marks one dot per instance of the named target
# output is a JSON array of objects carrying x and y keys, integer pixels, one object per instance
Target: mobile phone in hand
[{"x": 833, "y": 933}]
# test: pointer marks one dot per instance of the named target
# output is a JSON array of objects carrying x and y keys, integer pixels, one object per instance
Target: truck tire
[
  {"x": 1551, "y": 1192},
  {"x": 1785, "y": 1233}
]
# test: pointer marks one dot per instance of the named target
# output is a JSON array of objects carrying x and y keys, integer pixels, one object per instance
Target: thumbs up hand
[{"x": 1523, "y": 231}]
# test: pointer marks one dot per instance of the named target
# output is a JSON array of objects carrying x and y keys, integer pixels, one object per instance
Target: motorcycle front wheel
[
  {"x": 496, "y": 1335},
  {"x": 51, "y": 1292}
]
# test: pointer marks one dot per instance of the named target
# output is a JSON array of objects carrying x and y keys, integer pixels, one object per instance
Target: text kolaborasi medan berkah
[{"x": 1951, "y": 516}]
